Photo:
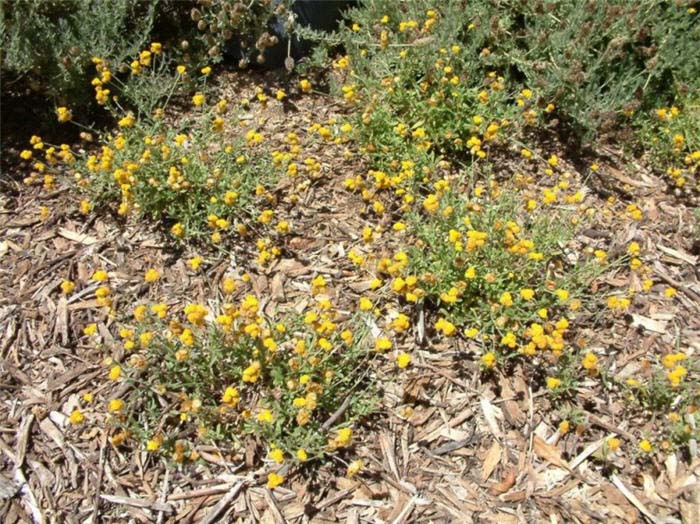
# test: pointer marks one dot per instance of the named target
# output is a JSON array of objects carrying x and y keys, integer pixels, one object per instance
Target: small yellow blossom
[
  {"x": 277, "y": 455},
  {"x": 67, "y": 286},
  {"x": 488, "y": 360},
  {"x": 274, "y": 480},
  {"x": 76, "y": 417},
  {"x": 553, "y": 383},
  {"x": 64, "y": 114},
  {"x": 382, "y": 344},
  {"x": 195, "y": 262},
  {"x": 151, "y": 275},
  {"x": 355, "y": 467},
  {"x": 115, "y": 405},
  {"x": 403, "y": 360},
  {"x": 198, "y": 99},
  {"x": 100, "y": 276},
  {"x": 115, "y": 372},
  {"x": 590, "y": 362}
]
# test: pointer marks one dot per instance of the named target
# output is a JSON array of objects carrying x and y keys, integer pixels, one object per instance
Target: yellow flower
[
  {"x": 266, "y": 216},
  {"x": 206, "y": 70},
  {"x": 471, "y": 332},
  {"x": 355, "y": 467},
  {"x": 446, "y": 327},
  {"x": 302, "y": 456},
  {"x": 645, "y": 446},
  {"x": 195, "y": 262},
  {"x": 670, "y": 292},
  {"x": 527, "y": 294},
  {"x": 403, "y": 360},
  {"x": 160, "y": 310},
  {"x": 145, "y": 58},
  {"x": 228, "y": 286},
  {"x": 564, "y": 427},
  {"x": 151, "y": 275},
  {"x": 589, "y": 362},
  {"x": 156, "y": 48},
  {"x": 177, "y": 230},
  {"x": 67, "y": 286},
  {"x": 318, "y": 285},
  {"x": 76, "y": 417},
  {"x": 488, "y": 360},
  {"x": 676, "y": 376},
  {"x": 277, "y": 455},
  {"x": 382, "y": 344},
  {"x": 100, "y": 276},
  {"x": 506, "y": 299},
  {"x": 509, "y": 339},
  {"x": 115, "y": 372},
  {"x": 613, "y": 444},
  {"x": 115, "y": 405},
  {"x": 198, "y": 99},
  {"x": 64, "y": 114},
  {"x": 90, "y": 329},
  {"x": 252, "y": 373},
  {"x": 562, "y": 294},
  {"x": 127, "y": 121},
  {"x": 265, "y": 416},
  {"x": 274, "y": 480},
  {"x": 431, "y": 203},
  {"x": 154, "y": 443},
  {"x": 553, "y": 383},
  {"x": 365, "y": 304},
  {"x": 231, "y": 396},
  {"x": 305, "y": 85},
  {"x": 343, "y": 438}
]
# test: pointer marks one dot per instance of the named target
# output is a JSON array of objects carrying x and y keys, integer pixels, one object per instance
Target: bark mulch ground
[{"x": 448, "y": 444}]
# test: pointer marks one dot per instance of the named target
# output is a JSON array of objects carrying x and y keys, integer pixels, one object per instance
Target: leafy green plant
[
  {"x": 589, "y": 67},
  {"x": 292, "y": 384},
  {"x": 195, "y": 175},
  {"x": 49, "y": 44}
]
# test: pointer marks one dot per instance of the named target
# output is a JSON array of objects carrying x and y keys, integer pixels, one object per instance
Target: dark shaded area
[{"x": 320, "y": 15}]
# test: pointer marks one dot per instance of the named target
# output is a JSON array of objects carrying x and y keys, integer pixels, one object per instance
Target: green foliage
[
  {"x": 596, "y": 63},
  {"x": 50, "y": 43},
  {"x": 671, "y": 135},
  {"x": 198, "y": 175},
  {"x": 243, "y": 376}
]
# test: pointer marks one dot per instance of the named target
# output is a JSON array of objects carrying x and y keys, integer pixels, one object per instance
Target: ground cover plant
[{"x": 451, "y": 258}]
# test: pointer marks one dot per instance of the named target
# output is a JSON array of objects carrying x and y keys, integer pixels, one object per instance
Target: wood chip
[
  {"x": 491, "y": 460},
  {"x": 82, "y": 238},
  {"x": 138, "y": 503}
]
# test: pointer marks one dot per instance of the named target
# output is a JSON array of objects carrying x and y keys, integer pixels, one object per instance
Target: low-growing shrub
[
  {"x": 291, "y": 385},
  {"x": 49, "y": 44},
  {"x": 672, "y": 137},
  {"x": 591, "y": 67},
  {"x": 199, "y": 176}
]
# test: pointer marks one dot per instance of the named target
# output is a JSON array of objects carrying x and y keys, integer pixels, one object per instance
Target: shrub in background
[{"x": 49, "y": 44}]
